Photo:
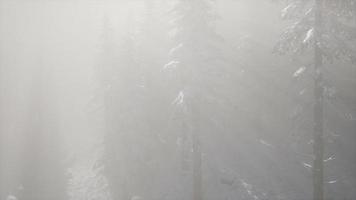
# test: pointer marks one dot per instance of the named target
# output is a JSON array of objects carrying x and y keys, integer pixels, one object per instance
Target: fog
[{"x": 177, "y": 99}]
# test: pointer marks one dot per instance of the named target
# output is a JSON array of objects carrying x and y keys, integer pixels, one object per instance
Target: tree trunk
[
  {"x": 318, "y": 145},
  {"x": 197, "y": 168}
]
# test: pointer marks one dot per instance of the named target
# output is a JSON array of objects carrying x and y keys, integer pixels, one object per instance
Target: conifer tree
[
  {"x": 115, "y": 74},
  {"x": 43, "y": 173},
  {"x": 322, "y": 28},
  {"x": 196, "y": 71},
  {"x": 123, "y": 98}
]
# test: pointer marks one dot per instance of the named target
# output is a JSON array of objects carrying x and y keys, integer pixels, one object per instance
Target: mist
[{"x": 177, "y": 99}]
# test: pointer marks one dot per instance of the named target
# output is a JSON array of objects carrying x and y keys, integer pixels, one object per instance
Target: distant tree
[
  {"x": 196, "y": 72},
  {"x": 111, "y": 74},
  {"x": 2, "y": 133},
  {"x": 323, "y": 29},
  {"x": 152, "y": 45},
  {"x": 126, "y": 135},
  {"x": 2, "y": 139},
  {"x": 43, "y": 174}
]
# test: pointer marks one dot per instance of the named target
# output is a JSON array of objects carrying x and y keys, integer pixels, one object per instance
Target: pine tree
[
  {"x": 43, "y": 173},
  {"x": 152, "y": 44},
  {"x": 123, "y": 99},
  {"x": 322, "y": 27},
  {"x": 2, "y": 135},
  {"x": 196, "y": 70},
  {"x": 112, "y": 76}
]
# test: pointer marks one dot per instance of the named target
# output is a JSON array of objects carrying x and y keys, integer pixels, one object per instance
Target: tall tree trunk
[
  {"x": 197, "y": 152},
  {"x": 197, "y": 168},
  {"x": 318, "y": 145}
]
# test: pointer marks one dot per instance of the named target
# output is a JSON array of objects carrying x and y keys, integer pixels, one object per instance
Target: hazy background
[{"x": 89, "y": 111}]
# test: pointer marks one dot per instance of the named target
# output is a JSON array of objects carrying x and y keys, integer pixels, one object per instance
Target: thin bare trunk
[
  {"x": 318, "y": 145},
  {"x": 197, "y": 168}
]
